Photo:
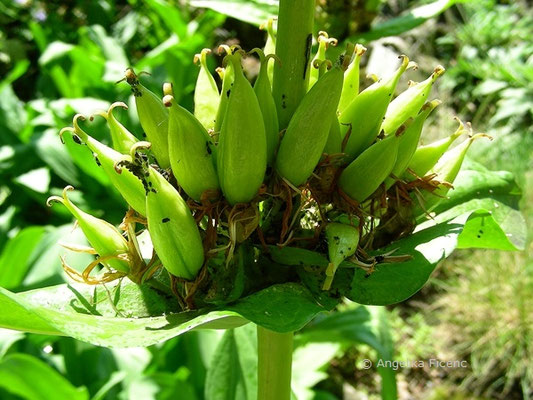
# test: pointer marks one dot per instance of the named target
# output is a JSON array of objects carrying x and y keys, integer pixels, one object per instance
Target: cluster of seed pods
[{"x": 205, "y": 181}]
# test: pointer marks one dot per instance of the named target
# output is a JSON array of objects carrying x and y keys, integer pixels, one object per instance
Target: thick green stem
[
  {"x": 274, "y": 352},
  {"x": 293, "y": 47}
]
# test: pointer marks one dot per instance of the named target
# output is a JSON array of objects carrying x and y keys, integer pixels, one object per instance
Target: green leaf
[
  {"x": 15, "y": 256},
  {"x": 282, "y": 308},
  {"x": 394, "y": 282},
  {"x": 232, "y": 372},
  {"x": 255, "y": 12},
  {"x": 359, "y": 325},
  {"x": 296, "y": 256},
  {"x": 32, "y": 379},
  {"x": 171, "y": 16},
  {"x": 86, "y": 313},
  {"x": 43, "y": 267},
  {"x": 353, "y": 325},
  {"x": 494, "y": 196},
  {"x": 501, "y": 228},
  {"x": 132, "y": 315},
  {"x": 405, "y": 22},
  {"x": 56, "y": 156},
  {"x": 55, "y": 51},
  {"x": 309, "y": 364}
]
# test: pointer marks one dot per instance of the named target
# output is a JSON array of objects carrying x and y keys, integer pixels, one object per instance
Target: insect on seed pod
[
  {"x": 153, "y": 117},
  {"x": 190, "y": 150},
  {"x": 173, "y": 230},
  {"x": 206, "y": 96},
  {"x": 126, "y": 183},
  {"x": 105, "y": 239}
]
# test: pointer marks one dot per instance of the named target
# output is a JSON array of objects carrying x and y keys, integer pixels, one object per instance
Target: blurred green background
[{"x": 61, "y": 58}]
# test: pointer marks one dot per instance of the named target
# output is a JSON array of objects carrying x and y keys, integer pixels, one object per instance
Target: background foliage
[{"x": 60, "y": 58}]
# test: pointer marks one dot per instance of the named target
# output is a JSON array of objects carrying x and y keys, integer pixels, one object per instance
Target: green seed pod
[
  {"x": 334, "y": 142},
  {"x": 105, "y": 239},
  {"x": 153, "y": 117},
  {"x": 174, "y": 232},
  {"x": 206, "y": 96},
  {"x": 127, "y": 184},
  {"x": 121, "y": 138},
  {"x": 342, "y": 243},
  {"x": 228, "y": 77},
  {"x": 409, "y": 141},
  {"x": 307, "y": 134},
  {"x": 364, "y": 175},
  {"x": 350, "y": 88},
  {"x": 190, "y": 150},
  {"x": 446, "y": 170},
  {"x": 324, "y": 41},
  {"x": 270, "y": 46},
  {"x": 425, "y": 157},
  {"x": 409, "y": 103},
  {"x": 363, "y": 116},
  {"x": 263, "y": 92},
  {"x": 242, "y": 147}
]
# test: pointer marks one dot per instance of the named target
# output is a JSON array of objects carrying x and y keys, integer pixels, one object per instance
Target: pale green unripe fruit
[
  {"x": 408, "y": 104},
  {"x": 350, "y": 88},
  {"x": 190, "y": 151},
  {"x": 307, "y": 134},
  {"x": 267, "y": 104},
  {"x": 126, "y": 183},
  {"x": 342, "y": 243},
  {"x": 121, "y": 138},
  {"x": 174, "y": 233},
  {"x": 153, "y": 117},
  {"x": 242, "y": 145},
  {"x": 364, "y": 175},
  {"x": 105, "y": 239},
  {"x": 206, "y": 96},
  {"x": 362, "y": 118}
]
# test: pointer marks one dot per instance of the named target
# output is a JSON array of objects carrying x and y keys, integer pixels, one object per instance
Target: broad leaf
[
  {"x": 79, "y": 312},
  {"x": 391, "y": 283},
  {"x": 359, "y": 325},
  {"x": 282, "y": 308},
  {"x": 16, "y": 253},
  {"x": 495, "y": 196},
  {"x": 310, "y": 362},
  {"x": 232, "y": 373},
  {"x": 125, "y": 314},
  {"x": 255, "y": 12},
  {"x": 405, "y": 22},
  {"x": 30, "y": 378}
]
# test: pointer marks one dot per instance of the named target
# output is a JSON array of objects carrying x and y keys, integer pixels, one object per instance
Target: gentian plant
[{"x": 269, "y": 203}]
